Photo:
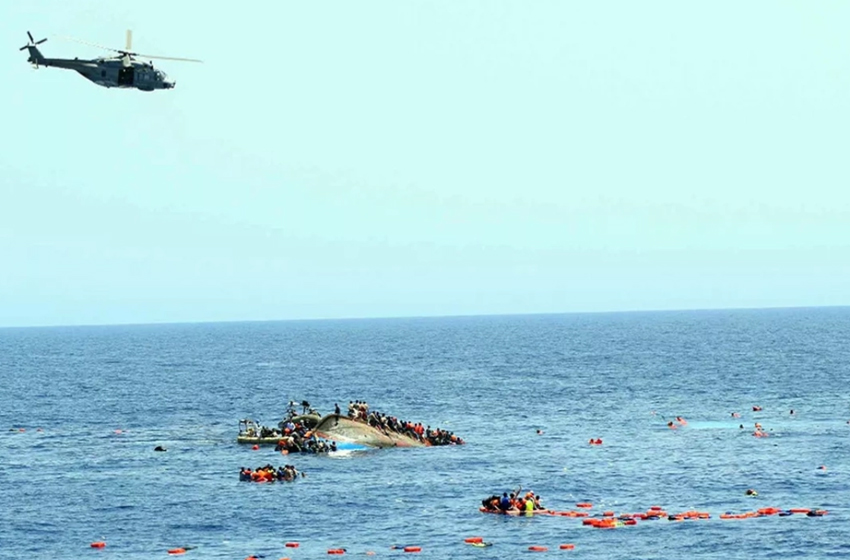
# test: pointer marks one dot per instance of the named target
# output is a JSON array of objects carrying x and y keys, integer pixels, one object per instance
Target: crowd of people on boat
[
  {"x": 512, "y": 502},
  {"x": 292, "y": 436},
  {"x": 267, "y": 473},
  {"x": 302, "y": 441},
  {"x": 296, "y": 437},
  {"x": 359, "y": 410}
]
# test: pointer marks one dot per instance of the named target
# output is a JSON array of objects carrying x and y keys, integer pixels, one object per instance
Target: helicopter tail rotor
[
  {"x": 32, "y": 42},
  {"x": 35, "y": 55}
]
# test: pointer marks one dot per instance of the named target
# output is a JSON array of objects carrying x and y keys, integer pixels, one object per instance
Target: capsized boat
[{"x": 344, "y": 429}]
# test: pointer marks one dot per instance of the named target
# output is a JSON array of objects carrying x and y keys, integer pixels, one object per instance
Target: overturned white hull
[{"x": 344, "y": 429}]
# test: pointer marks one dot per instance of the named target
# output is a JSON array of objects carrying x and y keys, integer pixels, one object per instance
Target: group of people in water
[
  {"x": 512, "y": 502},
  {"x": 359, "y": 410},
  {"x": 267, "y": 473}
]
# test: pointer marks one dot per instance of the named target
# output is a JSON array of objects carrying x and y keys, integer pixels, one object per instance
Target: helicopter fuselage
[{"x": 109, "y": 72}]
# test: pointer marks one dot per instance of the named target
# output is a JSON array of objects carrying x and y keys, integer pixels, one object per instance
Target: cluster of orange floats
[
  {"x": 775, "y": 511},
  {"x": 607, "y": 520},
  {"x": 610, "y": 520}
]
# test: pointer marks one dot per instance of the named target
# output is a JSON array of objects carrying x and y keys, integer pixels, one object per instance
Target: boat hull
[{"x": 342, "y": 428}]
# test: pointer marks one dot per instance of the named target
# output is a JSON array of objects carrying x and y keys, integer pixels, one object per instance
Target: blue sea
[{"x": 82, "y": 408}]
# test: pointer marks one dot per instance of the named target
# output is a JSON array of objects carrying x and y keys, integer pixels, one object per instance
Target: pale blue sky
[{"x": 388, "y": 158}]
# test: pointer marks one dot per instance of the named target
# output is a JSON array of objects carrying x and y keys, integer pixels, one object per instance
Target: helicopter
[{"x": 122, "y": 71}]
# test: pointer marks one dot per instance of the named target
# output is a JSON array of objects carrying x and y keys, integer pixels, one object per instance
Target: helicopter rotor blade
[
  {"x": 88, "y": 43},
  {"x": 166, "y": 57},
  {"x": 30, "y": 36},
  {"x": 127, "y": 52}
]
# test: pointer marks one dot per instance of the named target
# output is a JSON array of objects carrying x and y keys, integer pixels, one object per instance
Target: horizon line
[{"x": 402, "y": 317}]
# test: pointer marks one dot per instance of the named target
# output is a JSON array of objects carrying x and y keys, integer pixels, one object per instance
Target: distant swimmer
[
  {"x": 751, "y": 492},
  {"x": 671, "y": 425},
  {"x": 160, "y": 448},
  {"x": 735, "y": 415},
  {"x": 756, "y": 408}
]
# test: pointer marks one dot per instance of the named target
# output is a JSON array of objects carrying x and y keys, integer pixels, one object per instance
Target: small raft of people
[
  {"x": 267, "y": 473},
  {"x": 513, "y": 502},
  {"x": 359, "y": 411}
]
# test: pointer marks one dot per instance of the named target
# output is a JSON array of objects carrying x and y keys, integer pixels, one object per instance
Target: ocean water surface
[{"x": 82, "y": 408}]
